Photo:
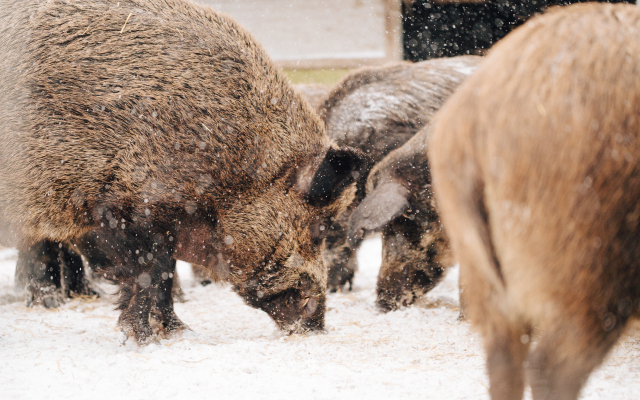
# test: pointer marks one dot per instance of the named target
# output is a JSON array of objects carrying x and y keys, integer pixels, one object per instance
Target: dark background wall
[{"x": 447, "y": 29}]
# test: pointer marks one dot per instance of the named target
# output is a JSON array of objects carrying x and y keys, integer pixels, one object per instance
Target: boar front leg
[
  {"x": 142, "y": 263},
  {"x": 340, "y": 256},
  {"x": 164, "y": 317},
  {"x": 147, "y": 304}
]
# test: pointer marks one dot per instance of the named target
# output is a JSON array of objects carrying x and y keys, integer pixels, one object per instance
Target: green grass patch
[{"x": 321, "y": 76}]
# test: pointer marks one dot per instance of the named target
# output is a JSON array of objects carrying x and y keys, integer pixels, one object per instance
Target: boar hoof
[
  {"x": 167, "y": 324},
  {"x": 49, "y": 297},
  {"x": 51, "y": 302},
  {"x": 386, "y": 305},
  {"x": 140, "y": 331},
  {"x": 85, "y": 291},
  {"x": 339, "y": 277}
]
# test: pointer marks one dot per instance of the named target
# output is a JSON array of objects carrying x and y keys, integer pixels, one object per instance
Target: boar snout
[{"x": 296, "y": 310}]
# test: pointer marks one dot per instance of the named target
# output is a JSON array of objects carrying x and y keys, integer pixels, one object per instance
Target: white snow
[{"x": 417, "y": 352}]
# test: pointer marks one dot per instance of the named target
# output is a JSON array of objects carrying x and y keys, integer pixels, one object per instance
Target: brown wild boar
[
  {"x": 377, "y": 110},
  {"x": 140, "y": 132},
  {"x": 536, "y": 172},
  {"x": 400, "y": 202}
]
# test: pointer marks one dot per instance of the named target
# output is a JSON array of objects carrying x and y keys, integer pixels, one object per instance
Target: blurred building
[{"x": 321, "y": 33}]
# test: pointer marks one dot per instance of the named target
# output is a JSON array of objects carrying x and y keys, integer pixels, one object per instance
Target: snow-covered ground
[{"x": 418, "y": 352}]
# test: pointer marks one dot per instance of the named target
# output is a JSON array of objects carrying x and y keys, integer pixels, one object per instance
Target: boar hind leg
[
  {"x": 51, "y": 271},
  {"x": 38, "y": 271},
  {"x": 506, "y": 354},
  {"x": 505, "y": 340},
  {"x": 176, "y": 291},
  {"x": 73, "y": 278},
  {"x": 566, "y": 354},
  {"x": 201, "y": 275}
]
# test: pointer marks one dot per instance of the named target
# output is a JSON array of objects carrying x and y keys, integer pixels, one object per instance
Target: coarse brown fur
[
  {"x": 400, "y": 202},
  {"x": 377, "y": 110},
  {"x": 535, "y": 166},
  {"x": 146, "y": 131}
]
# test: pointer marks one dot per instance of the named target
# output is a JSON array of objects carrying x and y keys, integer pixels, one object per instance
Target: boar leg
[
  {"x": 72, "y": 274},
  {"x": 506, "y": 342},
  {"x": 176, "y": 290},
  {"x": 343, "y": 264},
  {"x": 201, "y": 275},
  {"x": 51, "y": 271},
  {"x": 149, "y": 295},
  {"x": 166, "y": 319},
  {"x": 340, "y": 255},
  {"x": 567, "y": 353},
  {"x": 142, "y": 264},
  {"x": 506, "y": 354},
  {"x": 38, "y": 271}
]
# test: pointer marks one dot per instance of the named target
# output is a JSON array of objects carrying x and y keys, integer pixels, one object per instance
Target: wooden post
[{"x": 393, "y": 30}]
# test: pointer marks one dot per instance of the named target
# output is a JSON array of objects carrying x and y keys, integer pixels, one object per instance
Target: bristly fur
[
  {"x": 173, "y": 136},
  {"x": 535, "y": 167},
  {"x": 377, "y": 110}
]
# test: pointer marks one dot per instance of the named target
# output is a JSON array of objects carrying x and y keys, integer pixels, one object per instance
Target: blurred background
[{"x": 318, "y": 41}]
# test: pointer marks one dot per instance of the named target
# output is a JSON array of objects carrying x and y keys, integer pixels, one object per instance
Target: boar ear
[
  {"x": 385, "y": 203},
  {"x": 337, "y": 170}
]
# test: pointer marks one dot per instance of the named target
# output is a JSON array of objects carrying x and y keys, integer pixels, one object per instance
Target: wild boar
[
  {"x": 536, "y": 173},
  {"x": 141, "y": 132},
  {"x": 400, "y": 202},
  {"x": 377, "y": 110}
]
